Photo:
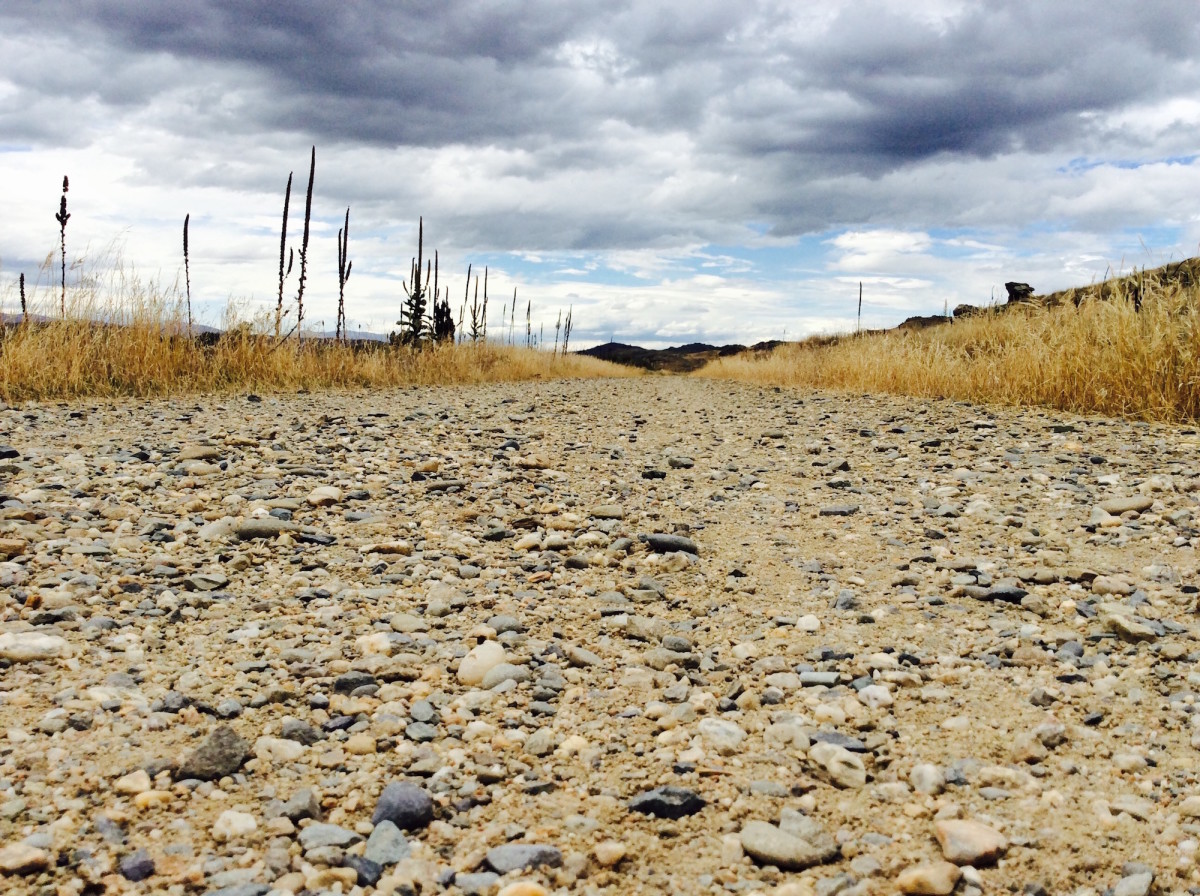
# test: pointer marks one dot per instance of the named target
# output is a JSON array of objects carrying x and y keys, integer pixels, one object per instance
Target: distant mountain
[{"x": 678, "y": 359}]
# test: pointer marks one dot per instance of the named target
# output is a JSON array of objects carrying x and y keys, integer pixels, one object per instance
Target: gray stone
[
  {"x": 838, "y": 510},
  {"x": 263, "y": 527},
  {"x": 405, "y": 805},
  {"x": 1134, "y": 504},
  {"x": 221, "y": 754},
  {"x": 476, "y": 883},
  {"x": 1138, "y": 884},
  {"x": 668, "y": 802},
  {"x": 387, "y": 844},
  {"x": 320, "y": 834},
  {"x": 137, "y": 866},
  {"x": 669, "y": 544},
  {"x": 301, "y": 732},
  {"x": 520, "y": 856},
  {"x": 303, "y": 804},
  {"x": 769, "y": 845}
]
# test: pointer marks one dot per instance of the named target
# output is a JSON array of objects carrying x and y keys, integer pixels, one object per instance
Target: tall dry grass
[
  {"x": 1101, "y": 357},
  {"x": 123, "y": 336}
]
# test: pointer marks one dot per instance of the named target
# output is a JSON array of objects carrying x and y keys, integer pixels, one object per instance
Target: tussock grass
[
  {"x": 1103, "y": 356},
  {"x": 126, "y": 337}
]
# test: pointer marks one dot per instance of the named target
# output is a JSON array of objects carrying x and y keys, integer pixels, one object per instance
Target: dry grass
[
  {"x": 142, "y": 349},
  {"x": 1103, "y": 357}
]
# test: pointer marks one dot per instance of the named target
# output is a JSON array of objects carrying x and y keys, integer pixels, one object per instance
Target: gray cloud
[{"x": 596, "y": 126}]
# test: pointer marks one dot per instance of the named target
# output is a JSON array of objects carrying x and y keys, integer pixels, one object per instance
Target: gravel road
[{"x": 661, "y": 635}]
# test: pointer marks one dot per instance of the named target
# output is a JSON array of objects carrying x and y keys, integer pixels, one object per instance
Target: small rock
[
  {"x": 723, "y": 736},
  {"x": 262, "y": 527},
  {"x": 278, "y": 749},
  {"x": 502, "y": 672},
  {"x": 324, "y": 496},
  {"x": 387, "y": 844},
  {"x": 523, "y": 888},
  {"x": 20, "y": 858},
  {"x": 609, "y": 852},
  {"x": 136, "y": 866},
  {"x": 1137, "y": 884},
  {"x": 936, "y": 879},
  {"x": 135, "y": 782},
  {"x": 838, "y": 510},
  {"x": 1135, "y": 504},
  {"x": 30, "y": 647},
  {"x": 405, "y": 805},
  {"x": 521, "y": 856},
  {"x": 581, "y": 657},
  {"x": 232, "y": 824},
  {"x": 843, "y": 768},
  {"x": 927, "y": 778},
  {"x": 479, "y": 661},
  {"x": 367, "y": 873},
  {"x": 303, "y": 804},
  {"x": 221, "y": 754},
  {"x": 320, "y": 834},
  {"x": 770, "y": 845},
  {"x": 669, "y": 544},
  {"x": 668, "y": 802},
  {"x": 966, "y": 842}
]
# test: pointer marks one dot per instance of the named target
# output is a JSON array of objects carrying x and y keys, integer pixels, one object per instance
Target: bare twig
[
  {"x": 62, "y": 217},
  {"x": 187, "y": 274},
  {"x": 287, "y": 198},
  {"x": 312, "y": 170},
  {"x": 344, "y": 266}
]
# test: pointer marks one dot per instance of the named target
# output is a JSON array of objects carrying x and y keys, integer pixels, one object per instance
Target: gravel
[{"x": 462, "y": 639}]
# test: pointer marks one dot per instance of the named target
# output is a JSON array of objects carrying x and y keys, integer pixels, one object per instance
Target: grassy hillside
[
  {"x": 142, "y": 349},
  {"x": 1129, "y": 346}
]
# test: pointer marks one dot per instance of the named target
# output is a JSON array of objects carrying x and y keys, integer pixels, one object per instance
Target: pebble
[
  {"x": 137, "y": 866},
  {"x": 668, "y": 802},
  {"x": 523, "y": 888},
  {"x": 405, "y": 805},
  {"x": 669, "y": 544},
  {"x": 843, "y": 768},
  {"x": 320, "y": 834},
  {"x": 232, "y": 824},
  {"x": 137, "y": 781},
  {"x": 30, "y": 647},
  {"x": 19, "y": 858},
  {"x": 480, "y": 660},
  {"x": 609, "y": 852},
  {"x": 387, "y": 844},
  {"x": 967, "y": 842},
  {"x": 522, "y": 856},
  {"x": 222, "y": 753},
  {"x": 769, "y": 845},
  {"x": 934, "y": 879}
]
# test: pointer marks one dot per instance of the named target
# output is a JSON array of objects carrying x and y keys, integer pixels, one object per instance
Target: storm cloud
[{"x": 588, "y": 129}]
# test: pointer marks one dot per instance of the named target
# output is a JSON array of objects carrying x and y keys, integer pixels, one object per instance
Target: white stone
[
  {"x": 134, "y": 782},
  {"x": 278, "y": 749},
  {"x": 324, "y": 495},
  {"x": 723, "y": 736},
  {"x": 479, "y": 661},
  {"x": 232, "y": 824},
  {"x": 843, "y": 768},
  {"x": 28, "y": 647},
  {"x": 875, "y": 696},
  {"x": 808, "y": 623}
]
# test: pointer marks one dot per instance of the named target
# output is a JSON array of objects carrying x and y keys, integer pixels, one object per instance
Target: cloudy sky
[{"x": 677, "y": 171}]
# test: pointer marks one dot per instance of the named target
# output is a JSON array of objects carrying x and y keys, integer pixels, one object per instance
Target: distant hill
[
  {"x": 694, "y": 355},
  {"x": 678, "y": 359}
]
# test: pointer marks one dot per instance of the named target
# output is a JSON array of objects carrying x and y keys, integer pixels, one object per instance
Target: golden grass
[
  {"x": 1102, "y": 357},
  {"x": 142, "y": 349}
]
